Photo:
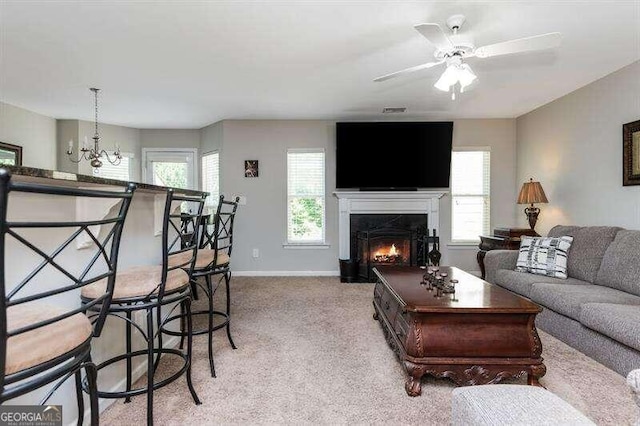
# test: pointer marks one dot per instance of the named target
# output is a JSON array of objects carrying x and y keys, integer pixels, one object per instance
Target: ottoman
[{"x": 512, "y": 405}]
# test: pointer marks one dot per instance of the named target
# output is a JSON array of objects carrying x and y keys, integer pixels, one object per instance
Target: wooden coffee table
[{"x": 487, "y": 335}]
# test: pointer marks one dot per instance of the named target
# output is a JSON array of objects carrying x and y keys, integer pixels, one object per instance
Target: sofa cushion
[
  {"x": 521, "y": 283},
  {"x": 620, "y": 322},
  {"x": 544, "y": 256},
  {"x": 620, "y": 267},
  {"x": 568, "y": 299},
  {"x": 589, "y": 246}
]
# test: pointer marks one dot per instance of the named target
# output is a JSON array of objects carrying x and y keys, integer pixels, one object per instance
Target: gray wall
[
  {"x": 262, "y": 224},
  {"x": 170, "y": 138},
  {"x": 67, "y": 130},
  {"x": 573, "y": 146},
  {"x": 34, "y": 132},
  {"x": 500, "y": 136}
]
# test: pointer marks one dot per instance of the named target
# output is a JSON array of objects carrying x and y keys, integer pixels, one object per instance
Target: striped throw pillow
[{"x": 544, "y": 256}]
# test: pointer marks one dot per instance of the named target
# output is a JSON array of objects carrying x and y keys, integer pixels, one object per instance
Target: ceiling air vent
[{"x": 393, "y": 110}]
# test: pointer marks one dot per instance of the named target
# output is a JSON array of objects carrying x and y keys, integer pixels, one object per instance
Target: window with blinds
[
  {"x": 305, "y": 196},
  {"x": 120, "y": 172},
  {"x": 470, "y": 195},
  {"x": 211, "y": 179}
]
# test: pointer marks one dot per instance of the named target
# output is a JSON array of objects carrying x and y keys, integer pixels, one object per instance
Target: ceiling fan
[{"x": 453, "y": 49}]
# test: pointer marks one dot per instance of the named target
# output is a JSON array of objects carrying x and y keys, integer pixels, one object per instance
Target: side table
[{"x": 502, "y": 239}]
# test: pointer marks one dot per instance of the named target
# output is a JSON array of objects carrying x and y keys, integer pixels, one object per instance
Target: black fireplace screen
[{"x": 382, "y": 239}]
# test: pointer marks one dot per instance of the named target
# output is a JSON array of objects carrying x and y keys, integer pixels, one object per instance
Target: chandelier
[{"x": 95, "y": 155}]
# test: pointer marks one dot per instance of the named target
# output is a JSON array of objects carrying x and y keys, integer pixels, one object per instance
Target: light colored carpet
[{"x": 310, "y": 352}]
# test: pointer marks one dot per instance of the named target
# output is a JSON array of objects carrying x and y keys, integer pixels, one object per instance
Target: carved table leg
[
  {"x": 537, "y": 371},
  {"x": 413, "y": 385}
]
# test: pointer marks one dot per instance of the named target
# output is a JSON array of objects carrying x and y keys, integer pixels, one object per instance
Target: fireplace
[
  {"x": 388, "y": 239},
  {"x": 424, "y": 203}
]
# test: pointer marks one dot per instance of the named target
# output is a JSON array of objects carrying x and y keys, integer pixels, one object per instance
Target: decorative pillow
[{"x": 544, "y": 256}]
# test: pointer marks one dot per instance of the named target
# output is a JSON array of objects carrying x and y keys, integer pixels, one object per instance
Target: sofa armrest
[
  {"x": 633, "y": 380},
  {"x": 499, "y": 259}
]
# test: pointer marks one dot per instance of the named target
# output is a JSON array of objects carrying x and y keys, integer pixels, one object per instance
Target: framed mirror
[
  {"x": 631, "y": 153},
  {"x": 10, "y": 155}
]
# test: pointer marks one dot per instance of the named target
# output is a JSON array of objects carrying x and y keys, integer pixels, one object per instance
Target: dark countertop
[{"x": 64, "y": 178}]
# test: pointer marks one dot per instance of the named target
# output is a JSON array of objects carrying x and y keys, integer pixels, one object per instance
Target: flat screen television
[{"x": 393, "y": 155}]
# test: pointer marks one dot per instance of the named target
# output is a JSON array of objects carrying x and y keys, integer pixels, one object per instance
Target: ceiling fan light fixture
[
  {"x": 455, "y": 73},
  {"x": 466, "y": 76},
  {"x": 448, "y": 78}
]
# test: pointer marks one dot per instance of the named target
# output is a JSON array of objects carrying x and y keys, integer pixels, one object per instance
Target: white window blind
[
  {"x": 305, "y": 196},
  {"x": 470, "y": 195},
  {"x": 211, "y": 178},
  {"x": 120, "y": 172}
]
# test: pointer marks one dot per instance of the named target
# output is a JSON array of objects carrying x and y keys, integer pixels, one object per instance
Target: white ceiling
[{"x": 187, "y": 64}]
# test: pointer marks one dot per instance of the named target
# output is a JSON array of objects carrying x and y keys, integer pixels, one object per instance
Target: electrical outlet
[{"x": 256, "y": 253}]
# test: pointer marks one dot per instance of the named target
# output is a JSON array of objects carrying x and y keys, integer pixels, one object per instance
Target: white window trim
[
  {"x": 210, "y": 202},
  {"x": 196, "y": 160},
  {"x": 465, "y": 244},
  {"x": 320, "y": 244}
]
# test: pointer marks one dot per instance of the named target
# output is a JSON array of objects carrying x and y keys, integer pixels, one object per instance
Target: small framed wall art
[
  {"x": 631, "y": 153},
  {"x": 251, "y": 169}
]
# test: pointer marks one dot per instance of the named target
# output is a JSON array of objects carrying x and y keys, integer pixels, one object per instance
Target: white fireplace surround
[{"x": 384, "y": 202}]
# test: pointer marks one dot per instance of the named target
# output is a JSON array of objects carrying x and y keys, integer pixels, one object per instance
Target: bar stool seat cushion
[
  {"x": 45, "y": 343},
  {"x": 138, "y": 281},
  {"x": 203, "y": 260}
]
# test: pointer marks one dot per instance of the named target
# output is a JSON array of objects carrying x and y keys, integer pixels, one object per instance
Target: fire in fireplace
[
  {"x": 388, "y": 239},
  {"x": 394, "y": 253}
]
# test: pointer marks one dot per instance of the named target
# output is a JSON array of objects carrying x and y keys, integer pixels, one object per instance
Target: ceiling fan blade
[
  {"x": 435, "y": 35},
  {"x": 407, "y": 71},
  {"x": 539, "y": 42}
]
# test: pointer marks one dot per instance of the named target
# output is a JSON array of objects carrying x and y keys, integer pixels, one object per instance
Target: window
[
  {"x": 120, "y": 172},
  {"x": 211, "y": 179},
  {"x": 470, "y": 195},
  {"x": 174, "y": 167},
  {"x": 305, "y": 196}
]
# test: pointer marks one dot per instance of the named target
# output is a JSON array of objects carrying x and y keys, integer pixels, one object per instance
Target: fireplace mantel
[{"x": 384, "y": 202}]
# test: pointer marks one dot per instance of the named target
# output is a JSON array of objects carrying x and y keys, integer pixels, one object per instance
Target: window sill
[
  {"x": 306, "y": 246},
  {"x": 466, "y": 245}
]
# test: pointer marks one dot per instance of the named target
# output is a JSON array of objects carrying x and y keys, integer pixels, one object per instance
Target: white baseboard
[
  {"x": 286, "y": 273},
  {"x": 138, "y": 372}
]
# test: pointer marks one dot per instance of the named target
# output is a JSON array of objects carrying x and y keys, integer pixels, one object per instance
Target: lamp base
[{"x": 532, "y": 214}]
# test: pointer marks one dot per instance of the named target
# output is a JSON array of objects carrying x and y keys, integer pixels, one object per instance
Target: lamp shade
[{"x": 532, "y": 193}]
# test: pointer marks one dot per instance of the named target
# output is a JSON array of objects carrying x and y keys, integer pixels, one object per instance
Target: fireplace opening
[{"x": 389, "y": 239}]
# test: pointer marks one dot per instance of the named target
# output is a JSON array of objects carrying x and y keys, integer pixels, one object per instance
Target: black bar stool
[
  {"x": 40, "y": 341},
  {"x": 150, "y": 288},
  {"x": 214, "y": 258}
]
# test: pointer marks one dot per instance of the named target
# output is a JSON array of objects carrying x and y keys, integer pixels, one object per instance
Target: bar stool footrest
[{"x": 140, "y": 391}]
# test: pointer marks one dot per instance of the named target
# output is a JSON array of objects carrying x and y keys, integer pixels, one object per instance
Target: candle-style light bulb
[
  {"x": 85, "y": 143},
  {"x": 70, "y": 145}
]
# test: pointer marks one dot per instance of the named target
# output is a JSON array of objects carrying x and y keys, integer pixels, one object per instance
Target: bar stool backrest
[
  {"x": 180, "y": 235},
  {"x": 221, "y": 240},
  {"x": 102, "y": 263}
]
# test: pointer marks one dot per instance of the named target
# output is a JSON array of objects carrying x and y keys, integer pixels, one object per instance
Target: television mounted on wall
[{"x": 393, "y": 155}]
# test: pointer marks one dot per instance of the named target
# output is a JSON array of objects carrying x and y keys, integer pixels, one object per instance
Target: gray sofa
[{"x": 597, "y": 309}]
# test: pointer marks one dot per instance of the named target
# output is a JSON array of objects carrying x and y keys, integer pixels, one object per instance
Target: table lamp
[{"x": 532, "y": 193}]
